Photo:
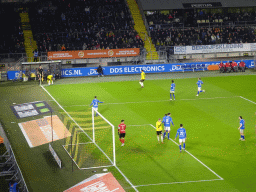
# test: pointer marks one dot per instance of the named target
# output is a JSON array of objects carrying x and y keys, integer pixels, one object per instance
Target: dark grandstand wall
[{"x": 178, "y": 4}]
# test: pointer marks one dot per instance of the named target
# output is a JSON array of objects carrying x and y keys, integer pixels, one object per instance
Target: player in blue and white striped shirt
[
  {"x": 167, "y": 120},
  {"x": 172, "y": 91},
  {"x": 95, "y": 104},
  {"x": 199, "y": 85},
  {"x": 182, "y": 136},
  {"x": 241, "y": 127}
]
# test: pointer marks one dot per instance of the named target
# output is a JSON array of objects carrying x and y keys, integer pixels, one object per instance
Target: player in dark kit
[{"x": 121, "y": 132}]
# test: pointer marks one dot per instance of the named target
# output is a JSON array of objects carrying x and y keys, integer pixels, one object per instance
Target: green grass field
[{"x": 216, "y": 160}]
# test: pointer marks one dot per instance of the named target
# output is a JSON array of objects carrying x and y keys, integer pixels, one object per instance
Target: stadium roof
[{"x": 181, "y": 4}]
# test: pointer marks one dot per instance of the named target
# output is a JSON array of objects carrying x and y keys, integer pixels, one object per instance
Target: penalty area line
[
  {"x": 154, "y": 101},
  {"x": 247, "y": 100},
  {"x": 198, "y": 181},
  {"x": 196, "y": 159}
]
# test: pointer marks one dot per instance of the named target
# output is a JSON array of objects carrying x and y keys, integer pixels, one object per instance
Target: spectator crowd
[
  {"x": 84, "y": 25},
  {"x": 189, "y": 18},
  {"x": 202, "y": 36}
]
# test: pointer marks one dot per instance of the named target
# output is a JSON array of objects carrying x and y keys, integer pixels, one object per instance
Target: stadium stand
[
  {"x": 83, "y": 25},
  {"x": 202, "y": 36},
  {"x": 201, "y": 27},
  {"x": 11, "y": 40},
  {"x": 190, "y": 18}
]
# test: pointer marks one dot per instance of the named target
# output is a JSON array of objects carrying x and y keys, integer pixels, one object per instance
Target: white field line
[
  {"x": 153, "y": 101},
  {"x": 247, "y": 100},
  {"x": 178, "y": 182},
  {"x": 197, "y": 159},
  {"x": 89, "y": 138},
  {"x": 70, "y": 156}
]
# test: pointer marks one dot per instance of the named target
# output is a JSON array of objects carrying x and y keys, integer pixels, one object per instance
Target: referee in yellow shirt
[
  {"x": 159, "y": 130},
  {"x": 143, "y": 75}
]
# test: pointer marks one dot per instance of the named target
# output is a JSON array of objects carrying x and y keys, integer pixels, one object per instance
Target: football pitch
[{"x": 215, "y": 159}]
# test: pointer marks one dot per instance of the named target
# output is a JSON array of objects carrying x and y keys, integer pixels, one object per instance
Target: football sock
[
  {"x": 162, "y": 138},
  {"x": 168, "y": 135},
  {"x": 180, "y": 147},
  {"x": 173, "y": 96},
  {"x": 157, "y": 138},
  {"x": 201, "y": 91},
  {"x": 170, "y": 96},
  {"x": 197, "y": 92},
  {"x": 164, "y": 134},
  {"x": 184, "y": 145},
  {"x": 241, "y": 136},
  {"x": 142, "y": 84},
  {"x": 123, "y": 141}
]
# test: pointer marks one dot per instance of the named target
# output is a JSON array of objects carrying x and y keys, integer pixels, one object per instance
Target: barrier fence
[
  {"x": 10, "y": 167},
  {"x": 136, "y": 69}
]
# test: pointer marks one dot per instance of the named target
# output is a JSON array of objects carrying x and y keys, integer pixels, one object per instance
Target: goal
[
  {"x": 93, "y": 141},
  {"x": 30, "y": 69}
]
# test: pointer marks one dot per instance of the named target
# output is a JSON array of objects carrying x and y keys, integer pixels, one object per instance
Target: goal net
[
  {"x": 93, "y": 143},
  {"x": 30, "y": 69}
]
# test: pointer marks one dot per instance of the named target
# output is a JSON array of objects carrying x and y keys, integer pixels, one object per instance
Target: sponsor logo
[
  {"x": 98, "y": 186},
  {"x": 92, "y": 72},
  {"x": 80, "y": 54},
  {"x": 110, "y": 53},
  {"x": 175, "y": 68},
  {"x": 180, "y": 49},
  {"x": 17, "y": 74}
]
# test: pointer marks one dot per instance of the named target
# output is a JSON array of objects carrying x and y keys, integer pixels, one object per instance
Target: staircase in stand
[
  {"x": 141, "y": 30},
  {"x": 29, "y": 42}
]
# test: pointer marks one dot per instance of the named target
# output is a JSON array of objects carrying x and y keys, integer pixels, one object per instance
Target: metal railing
[{"x": 13, "y": 168}]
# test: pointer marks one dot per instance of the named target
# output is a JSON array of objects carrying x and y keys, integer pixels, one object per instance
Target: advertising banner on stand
[
  {"x": 84, "y": 54},
  {"x": 216, "y": 48}
]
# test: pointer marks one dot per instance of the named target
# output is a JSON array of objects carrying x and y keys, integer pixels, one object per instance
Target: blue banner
[{"x": 136, "y": 69}]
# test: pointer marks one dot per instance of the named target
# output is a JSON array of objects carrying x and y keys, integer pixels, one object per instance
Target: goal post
[
  {"x": 30, "y": 69},
  {"x": 93, "y": 140},
  {"x": 99, "y": 126}
]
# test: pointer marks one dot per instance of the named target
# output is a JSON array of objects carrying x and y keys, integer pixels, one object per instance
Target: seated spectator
[
  {"x": 242, "y": 66},
  {"x": 234, "y": 66},
  {"x": 222, "y": 67},
  {"x": 228, "y": 67}
]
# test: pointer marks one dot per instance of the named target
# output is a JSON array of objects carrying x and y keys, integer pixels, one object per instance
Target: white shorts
[
  {"x": 167, "y": 128},
  {"x": 199, "y": 88},
  {"x": 96, "y": 109},
  {"x": 182, "y": 140},
  {"x": 172, "y": 92},
  {"x": 241, "y": 130}
]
